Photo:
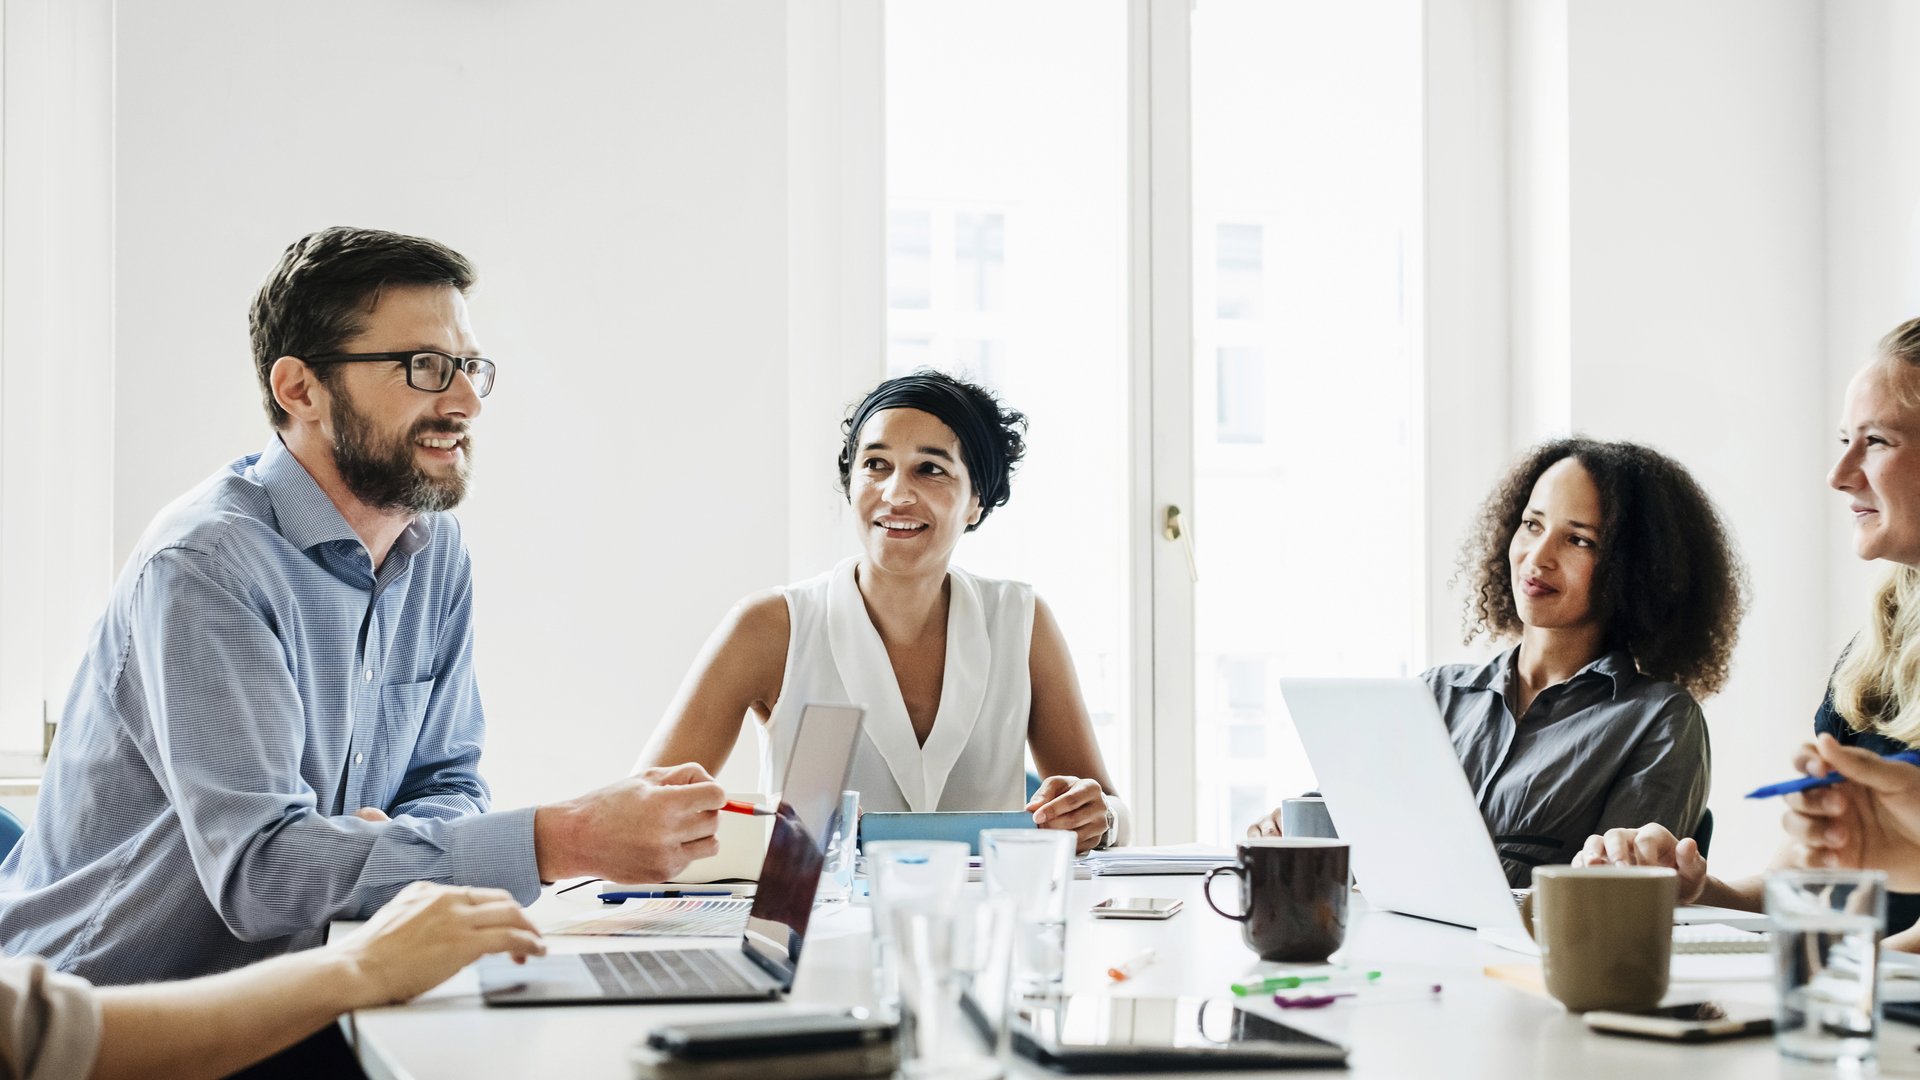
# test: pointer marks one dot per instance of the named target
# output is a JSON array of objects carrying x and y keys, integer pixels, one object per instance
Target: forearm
[
  {"x": 210, "y": 1027},
  {"x": 318, "y": 869},
  {"x": 1740, "y": 894}
]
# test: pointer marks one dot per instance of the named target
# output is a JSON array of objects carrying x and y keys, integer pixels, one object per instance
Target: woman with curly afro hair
[{"x": 1608, "y": 567}]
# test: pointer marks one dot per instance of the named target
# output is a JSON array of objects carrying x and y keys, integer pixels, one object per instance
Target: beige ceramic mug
[{"x": 1605, "y": 934}]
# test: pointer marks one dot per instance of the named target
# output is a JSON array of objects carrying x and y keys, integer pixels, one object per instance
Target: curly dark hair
[
  {"x": 991, "y": 443},
  {"x": 1668, "y": 585}
]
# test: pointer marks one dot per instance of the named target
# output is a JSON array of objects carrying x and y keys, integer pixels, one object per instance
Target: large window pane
[
  {"x": 1007, "y": 247},
  {"x": 1306, "y": 144}
]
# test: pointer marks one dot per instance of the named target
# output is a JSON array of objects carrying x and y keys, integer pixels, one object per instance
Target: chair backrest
[
  {"x": 1704, "y": 834},
  {"x": 11, "y": 830}
]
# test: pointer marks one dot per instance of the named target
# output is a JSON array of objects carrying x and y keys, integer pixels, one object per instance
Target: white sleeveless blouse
[{"x": 975, "y": 756}]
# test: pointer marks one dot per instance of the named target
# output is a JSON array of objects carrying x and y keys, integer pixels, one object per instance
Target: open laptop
[
  {"x": 1395, "y": 790},
  {"x": 763, "y": 964}
]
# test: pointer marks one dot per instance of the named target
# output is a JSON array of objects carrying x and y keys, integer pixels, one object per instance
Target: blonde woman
[{"x": 1873, "y": 703}]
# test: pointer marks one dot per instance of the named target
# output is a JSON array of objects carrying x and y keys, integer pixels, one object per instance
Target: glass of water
[
  {"x": 836, "y": 875},
  {"x": 1034, "y": 868},
  {"x": 1826, "y": 961},
  {"x": 923, "y": 875},
  {"x": 952, "y": 964}
]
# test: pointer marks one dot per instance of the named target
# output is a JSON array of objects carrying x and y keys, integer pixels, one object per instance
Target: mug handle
[{"x": 1206, "y": 890}]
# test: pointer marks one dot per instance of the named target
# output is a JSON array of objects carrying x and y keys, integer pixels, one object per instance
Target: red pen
[{"x": 755, "y": 809}]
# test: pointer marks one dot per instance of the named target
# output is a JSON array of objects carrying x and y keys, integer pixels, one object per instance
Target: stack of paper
[
  {"x": 1717, "y": 938},
  {"x": 1169, "y": 859}
]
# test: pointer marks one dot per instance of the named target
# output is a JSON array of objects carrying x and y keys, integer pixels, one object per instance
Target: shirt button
[
  {"x": 358, "y": 758},
  {"x": 369, "y": 674}
]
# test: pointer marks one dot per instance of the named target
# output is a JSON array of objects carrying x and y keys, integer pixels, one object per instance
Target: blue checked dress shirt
[{"x": 252, "y": 683}]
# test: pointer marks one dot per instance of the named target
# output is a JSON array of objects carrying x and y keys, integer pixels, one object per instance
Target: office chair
[{"x": 11, "y": 830}]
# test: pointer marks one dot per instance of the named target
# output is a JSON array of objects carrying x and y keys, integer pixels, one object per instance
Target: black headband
[{"x": 979, "y": 434}]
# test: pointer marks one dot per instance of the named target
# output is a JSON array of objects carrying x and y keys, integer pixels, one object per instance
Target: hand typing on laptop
[{"x": 1652, "y": 845}]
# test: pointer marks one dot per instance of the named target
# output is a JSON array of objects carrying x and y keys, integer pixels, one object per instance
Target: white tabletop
[{"x": 1476, "y": 1026}]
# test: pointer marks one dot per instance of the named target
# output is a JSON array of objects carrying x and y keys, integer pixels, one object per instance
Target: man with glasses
[{"x": 276, "y": 723}]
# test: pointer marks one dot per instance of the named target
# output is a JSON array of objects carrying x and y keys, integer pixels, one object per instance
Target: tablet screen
[{"x": 1092, "y": 1021}]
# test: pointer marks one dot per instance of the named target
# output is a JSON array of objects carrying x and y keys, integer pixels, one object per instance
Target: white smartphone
[{"x": 1135, "y": 907}]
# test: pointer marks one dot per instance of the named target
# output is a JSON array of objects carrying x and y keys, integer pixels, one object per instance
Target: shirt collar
[
  {"x": 1617, "y": 665},
  {"x": 303, "y": 513}
]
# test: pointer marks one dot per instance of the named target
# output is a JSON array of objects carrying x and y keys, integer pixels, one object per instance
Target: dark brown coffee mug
[{"x": 1293, "y": 896}]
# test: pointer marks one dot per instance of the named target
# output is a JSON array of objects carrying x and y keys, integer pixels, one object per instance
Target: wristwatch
[{"x": 1107, "y": 838}]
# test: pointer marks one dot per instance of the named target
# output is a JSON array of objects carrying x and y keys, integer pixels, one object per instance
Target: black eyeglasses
[{"x": 426, "y": 370}]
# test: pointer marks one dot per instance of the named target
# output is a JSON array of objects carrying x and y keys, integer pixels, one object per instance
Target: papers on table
[
  {"x": 1717, "y": 938},
  {"x": 665, "y": 918},
  {"x": 1167, "y": 859}
]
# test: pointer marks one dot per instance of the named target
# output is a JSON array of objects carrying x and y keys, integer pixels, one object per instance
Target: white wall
[
  {"x": 1872, "y": 158},
  {"x": 1697, "y": 255},
  {"x": 1659, "y": 173},
  {"x": 617, "y": 171}
]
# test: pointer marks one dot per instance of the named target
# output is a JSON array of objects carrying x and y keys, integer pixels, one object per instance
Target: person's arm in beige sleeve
[{"x": 57, "y": 1027}]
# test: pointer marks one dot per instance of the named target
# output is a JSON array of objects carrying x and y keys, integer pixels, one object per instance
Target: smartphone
[
  {"x": 768, "y": 1034},
  {"x": 1135, "y": 907},
  {"x": 1696, "y": 1022}
]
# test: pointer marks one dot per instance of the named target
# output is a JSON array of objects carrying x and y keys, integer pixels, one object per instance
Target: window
[
  {"x": 1006, "y": 169},
  {"x": 1021, "y": 169},
  {"x": 1306, "y": 181}
]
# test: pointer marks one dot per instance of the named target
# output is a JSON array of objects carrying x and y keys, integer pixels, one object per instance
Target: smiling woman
[
  {"x": 1611, "y": 567},
  {"x": 960, "y": 674}
]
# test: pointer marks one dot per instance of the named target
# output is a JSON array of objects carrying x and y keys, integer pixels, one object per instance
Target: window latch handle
[{"x": 1178, "y": 528}]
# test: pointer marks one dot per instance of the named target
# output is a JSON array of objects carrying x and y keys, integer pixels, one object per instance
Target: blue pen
[
  {"x": 663, "y": 894},
  {"x": 1807, "y": 783}
]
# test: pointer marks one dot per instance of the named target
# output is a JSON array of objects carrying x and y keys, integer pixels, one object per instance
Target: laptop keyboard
[{"x": 665, "y": 973}]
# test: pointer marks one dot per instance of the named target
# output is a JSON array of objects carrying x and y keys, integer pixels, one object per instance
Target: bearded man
[{"x": 276, "y": 723}]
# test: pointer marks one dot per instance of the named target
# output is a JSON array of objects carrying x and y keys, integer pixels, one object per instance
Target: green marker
[{"x": 1287, "y": 982}]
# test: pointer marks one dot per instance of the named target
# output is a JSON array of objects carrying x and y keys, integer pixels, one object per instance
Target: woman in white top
[{"x": 959, "y": 674}]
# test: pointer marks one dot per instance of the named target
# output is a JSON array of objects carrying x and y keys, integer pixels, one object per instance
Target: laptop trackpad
[{"x": 560, "y": 977}]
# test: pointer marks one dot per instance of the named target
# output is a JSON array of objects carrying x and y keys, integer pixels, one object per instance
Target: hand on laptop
[
  {"x": 1871, "y": 821},
  {"x": 1649, "y": 845},
  {"x": 1266, "y": 826},
  {"x": 647, "y": 827},
  {"x": 427, "y": 933}
]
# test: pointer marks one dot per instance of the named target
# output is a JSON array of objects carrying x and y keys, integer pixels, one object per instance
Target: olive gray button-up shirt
[{"x": 1608, "y": 748}]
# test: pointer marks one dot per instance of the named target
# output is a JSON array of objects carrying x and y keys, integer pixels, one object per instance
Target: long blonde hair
[{"x": 1878, "y": 683}]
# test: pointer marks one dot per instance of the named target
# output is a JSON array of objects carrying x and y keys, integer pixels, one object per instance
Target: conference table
[{"x": 1475, "y": 1026}]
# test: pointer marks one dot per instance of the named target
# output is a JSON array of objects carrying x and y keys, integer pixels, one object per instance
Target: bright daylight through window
[
  {"x": 1006, "y": 140},
  {"x": 1306, "y": 369}
]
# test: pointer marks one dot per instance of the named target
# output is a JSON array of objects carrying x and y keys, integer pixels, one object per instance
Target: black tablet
[{"x": 1097, "y": 1033}]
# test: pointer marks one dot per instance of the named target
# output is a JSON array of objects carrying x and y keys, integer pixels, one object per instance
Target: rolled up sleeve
[{"x": 49, "y": 1022}]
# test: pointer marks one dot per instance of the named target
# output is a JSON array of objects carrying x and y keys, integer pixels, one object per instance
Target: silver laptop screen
[{"x": 816, "y": 773}]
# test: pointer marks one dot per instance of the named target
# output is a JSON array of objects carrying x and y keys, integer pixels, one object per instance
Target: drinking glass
[
  {"x": 952, "y": 961},
  {"x": 836, "y": 875},
  {"x": 926, "y": 875},
  {"x": 1033, "y": 868},
  {"x": 1826, "y": 961}
]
